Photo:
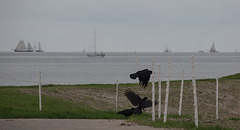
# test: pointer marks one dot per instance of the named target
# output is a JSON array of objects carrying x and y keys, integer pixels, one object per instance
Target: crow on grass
[{"x": 127, "y": 112}]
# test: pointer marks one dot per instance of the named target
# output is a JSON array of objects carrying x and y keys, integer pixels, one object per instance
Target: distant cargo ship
[{"x": 21, "y": 47}]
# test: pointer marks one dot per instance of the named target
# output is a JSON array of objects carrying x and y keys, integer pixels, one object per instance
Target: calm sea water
[{"x": 76, "y": 68}]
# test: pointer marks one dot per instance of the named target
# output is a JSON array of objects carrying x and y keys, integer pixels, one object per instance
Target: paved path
[{"x": 69, "y": 124}]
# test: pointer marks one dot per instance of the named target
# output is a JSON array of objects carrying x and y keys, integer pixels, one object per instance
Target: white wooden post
[
  {"x": 167, "y": 92},
  {"x": 40, "y": 96},
  {"x": 217, "y": 97},
  {"x": 181, "y": 95},
  {"x": 159, "y": 94},
  {"x": 194, "y": 94},
  {"x": 153, "y": 92},
  {"x": 117, "y": 96}
]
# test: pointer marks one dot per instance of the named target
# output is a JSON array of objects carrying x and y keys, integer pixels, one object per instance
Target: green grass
[
  {"x": 235, "y": 119},
  {"x": 146, "y": 119},
  {"x": 16, "y": 104},
  {"x": 234, "y": 76}
]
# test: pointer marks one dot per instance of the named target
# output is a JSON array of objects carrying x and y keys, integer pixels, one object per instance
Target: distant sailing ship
[
  {"x": 213, "y": 49},
  {"x": 39, "y": 48},
  {"x": 21, "y": 47},
  {"x": 95, "y": 54},
  {"x": 166, "y": 50}
]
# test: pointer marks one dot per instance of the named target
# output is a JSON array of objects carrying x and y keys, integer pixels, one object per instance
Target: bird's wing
[
  {"x": 148, "y": 103},
  {"x": 132, "y": 97},
  {"x": 137, "y": 74}
]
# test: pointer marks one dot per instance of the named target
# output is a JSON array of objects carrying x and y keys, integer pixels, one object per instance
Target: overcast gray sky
[{"x": 144, "y": 25}]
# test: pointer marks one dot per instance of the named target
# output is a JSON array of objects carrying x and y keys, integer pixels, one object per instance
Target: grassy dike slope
[{"x": 97, "y": 101}]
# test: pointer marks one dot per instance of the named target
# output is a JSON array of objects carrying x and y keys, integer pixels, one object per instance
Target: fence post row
[
  {"x": 39, "y": 90},
  {"x": 153, "y": 92},
  {"x": 181, "y": 95},
  {"x": 194, "y": 94},
  {"x": 159, "y": 94},
  {"x": 167, "y": 92}
]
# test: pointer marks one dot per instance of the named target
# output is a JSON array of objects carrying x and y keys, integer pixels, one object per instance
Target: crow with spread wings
[
  {"x": 143, "y": 76},
  {"x": 136, "y": 101}
]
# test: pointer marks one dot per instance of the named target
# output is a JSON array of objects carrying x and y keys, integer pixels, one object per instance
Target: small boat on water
[
  {"x": 39, "y": 48},
  {"x": 166, "y": 50},
  {"x": 95, "y": 54},
  {"x": 213, "y": 49}
]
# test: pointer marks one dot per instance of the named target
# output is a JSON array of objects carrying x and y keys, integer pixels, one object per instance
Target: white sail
[
  {"x": 213, "y": 49},
  {"x": 39, "y": 48},
  {"x": 29, "y": 47},
  {"x": 21, "y": 46},
  {"x": 18, "y": 47}
]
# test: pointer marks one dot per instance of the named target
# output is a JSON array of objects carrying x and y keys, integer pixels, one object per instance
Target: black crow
[
  {"x": 143, "y": 76},
  {"x": 127, "y": 112},
  {"x": 137, "y": 101}
]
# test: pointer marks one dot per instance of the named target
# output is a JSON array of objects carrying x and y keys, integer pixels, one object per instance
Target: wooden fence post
[
  {"x": 116, "y": 96},
  {"x": 194, "y": 94},
  {"x": 167, "y": 92},
  {"x": 181, "y": 95},
  {"x": 153, "y": 92},
  {"x": 159, "y": 94},
  {"x": 39, "y": 90}
]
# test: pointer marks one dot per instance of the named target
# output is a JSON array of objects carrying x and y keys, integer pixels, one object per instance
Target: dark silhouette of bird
[
  {"x": 127, "y": 112},
  {"x": 143, "y": 76},
  {"x": 137, "y": 101}
]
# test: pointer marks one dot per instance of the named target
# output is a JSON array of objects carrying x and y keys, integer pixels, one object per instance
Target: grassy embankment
[{"x": 96, "y": 101}]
